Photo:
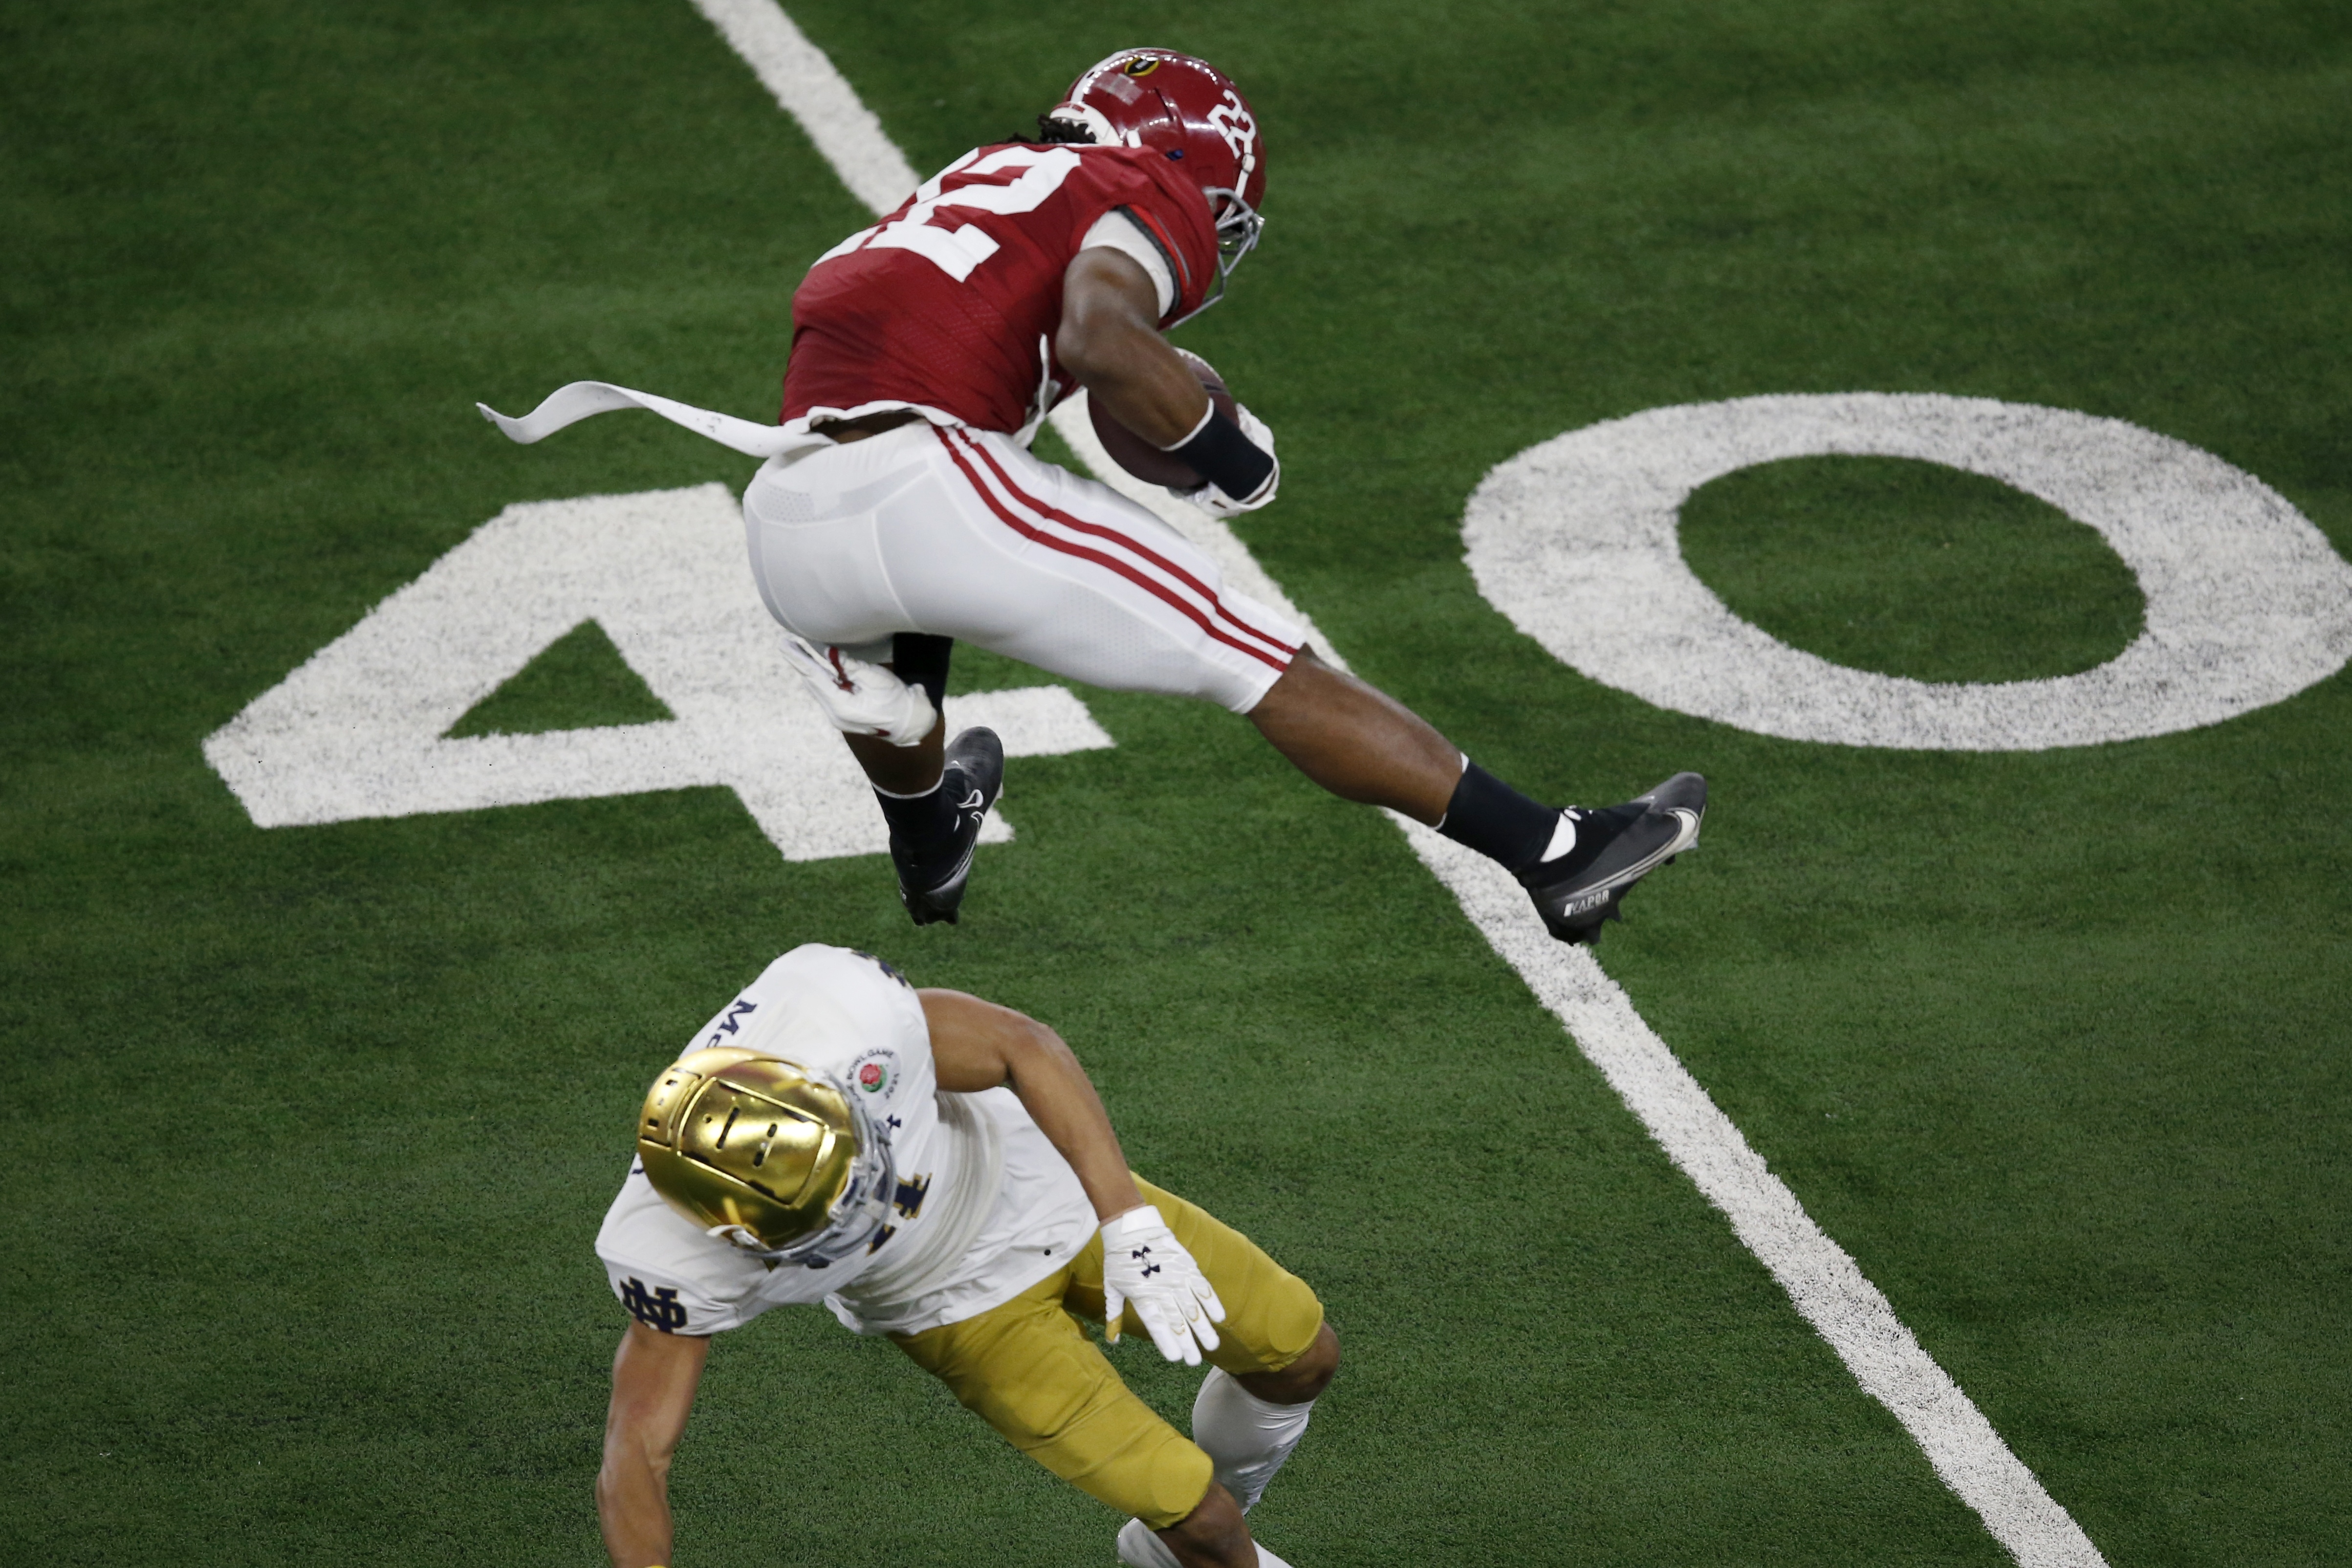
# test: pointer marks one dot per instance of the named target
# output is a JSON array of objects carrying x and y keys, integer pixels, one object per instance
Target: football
[{"x": 1140, "y": 456}]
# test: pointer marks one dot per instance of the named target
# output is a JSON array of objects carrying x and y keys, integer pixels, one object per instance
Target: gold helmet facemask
[{"x": 770, "y": 1155}]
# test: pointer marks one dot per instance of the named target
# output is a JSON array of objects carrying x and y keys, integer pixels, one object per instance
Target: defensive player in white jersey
[
  {"x": 900, "y": 507},
  {"x": 938, "y": 1169}
]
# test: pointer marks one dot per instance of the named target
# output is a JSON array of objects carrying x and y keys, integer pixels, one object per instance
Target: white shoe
[{"x": 1140, "y": 1548}]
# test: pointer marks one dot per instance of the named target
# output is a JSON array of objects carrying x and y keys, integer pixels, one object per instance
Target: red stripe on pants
[
  {"x": 1161, "y": 562},
  {"x": 1159, "y": 590}
]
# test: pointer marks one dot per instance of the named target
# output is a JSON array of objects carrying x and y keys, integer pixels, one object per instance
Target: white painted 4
[{"x": 360, "y": 730}]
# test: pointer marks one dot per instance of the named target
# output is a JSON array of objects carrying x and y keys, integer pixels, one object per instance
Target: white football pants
[{"x": 965, "y": 534}]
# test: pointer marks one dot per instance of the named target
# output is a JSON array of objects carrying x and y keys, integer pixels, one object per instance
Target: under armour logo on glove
[{"x": 1173, "y": 1297}]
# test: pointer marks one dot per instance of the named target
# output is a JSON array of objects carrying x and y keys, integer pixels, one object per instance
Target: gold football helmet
[{"x": 770, "y": 1155}]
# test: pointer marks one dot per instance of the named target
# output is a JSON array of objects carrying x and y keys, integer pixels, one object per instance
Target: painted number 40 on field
[{"x": 1574, "y": 540}]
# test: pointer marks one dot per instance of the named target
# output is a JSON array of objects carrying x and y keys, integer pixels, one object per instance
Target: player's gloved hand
[
  {"x": 1146, "y": 1267},
  {"x": 1210, "y": 499},
  {"x": 861, "y": 698}
]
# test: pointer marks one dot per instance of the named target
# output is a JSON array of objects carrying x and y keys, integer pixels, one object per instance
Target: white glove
[
  {"x": 861, "y": 698},
  {"x": 1216, "y": 502},
  {"x": 1146, "y": 1267}
]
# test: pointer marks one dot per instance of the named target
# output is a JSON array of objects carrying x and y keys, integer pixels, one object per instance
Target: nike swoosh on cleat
[{"x": 954, "y": 877}]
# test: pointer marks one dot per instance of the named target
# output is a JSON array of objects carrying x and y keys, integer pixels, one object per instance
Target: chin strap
[{"x": 737, "y": 1236}]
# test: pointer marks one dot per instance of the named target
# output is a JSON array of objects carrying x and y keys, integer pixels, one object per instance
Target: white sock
[
  {"x": 1246, "y": 1437},
  {"x": 919, "y": 795},
  {"x": 1140, "y": 1548}
]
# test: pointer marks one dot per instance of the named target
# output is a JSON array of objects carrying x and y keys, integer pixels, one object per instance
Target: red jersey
[{"x": 950, "y": 302}]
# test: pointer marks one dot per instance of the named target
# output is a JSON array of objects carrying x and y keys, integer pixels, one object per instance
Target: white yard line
[
  {"x": 1826, "y": 1284},
  {"x": 805, "y": 84}
]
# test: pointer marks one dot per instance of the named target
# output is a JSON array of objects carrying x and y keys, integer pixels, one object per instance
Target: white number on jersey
[{"x": 956, "y": 251}]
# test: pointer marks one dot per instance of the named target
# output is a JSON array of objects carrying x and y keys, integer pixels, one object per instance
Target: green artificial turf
[
  {"x": 1911, "y": 568},
  {"x": 307, "y": 1131},
  {"x": 577, "y": 682}
]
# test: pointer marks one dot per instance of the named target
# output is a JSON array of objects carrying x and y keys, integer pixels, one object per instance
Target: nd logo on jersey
[
  {"x": 659, "y": 1309},
  {"x": 909, "y": 1198}
]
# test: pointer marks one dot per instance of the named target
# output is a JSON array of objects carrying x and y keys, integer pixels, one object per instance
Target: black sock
[
  {"x": 1498, "y": 821},
  {"x": 920, "y": 659},
  {"x": 922, "y": 826}
]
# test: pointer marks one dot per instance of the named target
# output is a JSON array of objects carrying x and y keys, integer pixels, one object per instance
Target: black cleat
[
  {"x": 1615, "y": 847},
  {"x": 973, "y": 777}
]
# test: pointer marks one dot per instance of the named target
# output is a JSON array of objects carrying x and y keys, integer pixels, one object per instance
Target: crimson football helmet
[{"x": 1191, "y": 111}]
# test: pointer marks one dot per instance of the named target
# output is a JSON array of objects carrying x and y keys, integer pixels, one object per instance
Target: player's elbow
[
  {"x": 633, "y": 1483},
  {"x": 1108, "y": 306},
  {"x": 1085, "y": 345},
  {"x": 631, "y": 1459},
  {"x": 1035, "y": 1050}
]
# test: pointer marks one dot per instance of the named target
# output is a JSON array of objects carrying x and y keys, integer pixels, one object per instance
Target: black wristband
[{"x": 1221, "y": 454}]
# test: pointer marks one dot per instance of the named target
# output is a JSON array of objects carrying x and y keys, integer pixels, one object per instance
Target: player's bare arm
[
  {"x": 977, "y": 1045},
  {"x": 1109, "y": 339},
  {"x": 654, "y": 1378}
]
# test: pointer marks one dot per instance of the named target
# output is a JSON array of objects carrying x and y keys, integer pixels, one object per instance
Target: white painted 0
[
  {"x": 360, "y": 730},
  {"x": 1575, "y": 541}
]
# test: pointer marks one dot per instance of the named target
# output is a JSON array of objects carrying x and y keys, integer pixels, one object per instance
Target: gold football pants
[{"x": 1028, "y": 1370}]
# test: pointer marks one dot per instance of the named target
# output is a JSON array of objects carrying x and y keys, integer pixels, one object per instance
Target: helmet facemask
[
  {"x": 770, "y": 1156},
  {"x": 1238, "y": 228}
]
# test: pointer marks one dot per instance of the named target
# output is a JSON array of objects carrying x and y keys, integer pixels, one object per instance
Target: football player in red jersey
[{"x": 902, "y": 509}]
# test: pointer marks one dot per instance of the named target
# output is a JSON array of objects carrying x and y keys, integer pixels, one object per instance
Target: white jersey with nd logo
[{"x": 983, "y": 1206}]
